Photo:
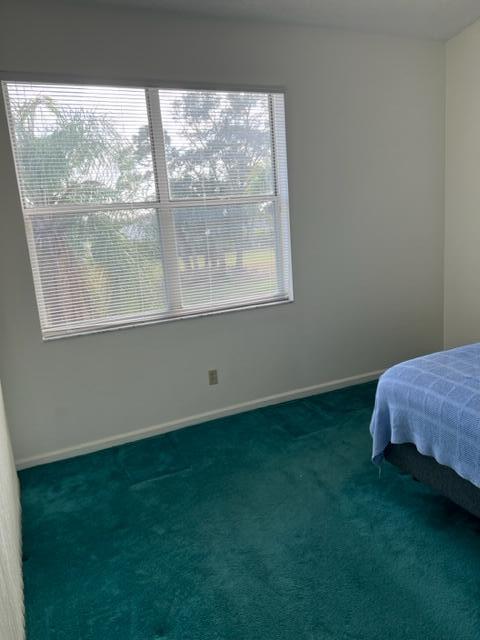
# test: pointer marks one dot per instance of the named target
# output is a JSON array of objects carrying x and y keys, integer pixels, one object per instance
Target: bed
[{"x": 426, "y": 421}]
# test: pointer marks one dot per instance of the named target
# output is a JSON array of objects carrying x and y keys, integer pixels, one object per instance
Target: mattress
[
  {"x": 433, "y": 402},
  {"x": 441, "y": 478}
]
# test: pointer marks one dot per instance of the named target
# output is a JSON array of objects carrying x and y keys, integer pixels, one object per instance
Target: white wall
[
  {"x": 365, "y": 118},
  {"x": 462, "y": 189},
  {"x": 11, "y": 583}
]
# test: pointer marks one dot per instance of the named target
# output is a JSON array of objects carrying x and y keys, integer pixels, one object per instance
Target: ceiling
[{"x": 438, "y": 19}]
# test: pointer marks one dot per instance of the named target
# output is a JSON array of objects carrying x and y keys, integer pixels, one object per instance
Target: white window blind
[{"x": 143, "y": 205}]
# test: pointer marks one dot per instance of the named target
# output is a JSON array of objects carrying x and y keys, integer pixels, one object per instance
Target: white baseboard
[{"x": 138, "y": 434}]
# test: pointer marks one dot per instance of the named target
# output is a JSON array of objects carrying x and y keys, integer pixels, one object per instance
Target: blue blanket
[{"x": 434, "y": 403}]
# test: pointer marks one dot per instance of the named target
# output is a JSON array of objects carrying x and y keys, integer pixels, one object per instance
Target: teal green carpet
[{"x": 269, "y": 525}]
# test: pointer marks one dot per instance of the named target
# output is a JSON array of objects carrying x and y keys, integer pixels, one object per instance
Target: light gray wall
[
  {"x": 11, "y": 582},
  {"x": 462, "y": 189},
  {"x": 365, "y": 118}
]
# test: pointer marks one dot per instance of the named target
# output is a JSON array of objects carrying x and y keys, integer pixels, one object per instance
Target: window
[{"x": 144, "y": 205}]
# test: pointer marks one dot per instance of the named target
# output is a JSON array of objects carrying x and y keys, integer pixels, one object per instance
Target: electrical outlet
[{"x": 212, "y": 376}]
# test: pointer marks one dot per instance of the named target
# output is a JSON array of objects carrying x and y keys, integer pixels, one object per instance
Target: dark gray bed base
[{"x": 441, "y": 478}]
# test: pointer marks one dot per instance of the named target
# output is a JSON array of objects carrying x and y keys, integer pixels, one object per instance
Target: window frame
[{"x": 164, "y": 206}]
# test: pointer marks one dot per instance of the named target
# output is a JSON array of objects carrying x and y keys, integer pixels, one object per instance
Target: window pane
[
  {"x": 217, "y": 144},
  {"x": 227, "y": 255},
  {"x": 96, "y": 268},
  {"x": 150, "y": 204},
  {"x": 80, "y": 144}
]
